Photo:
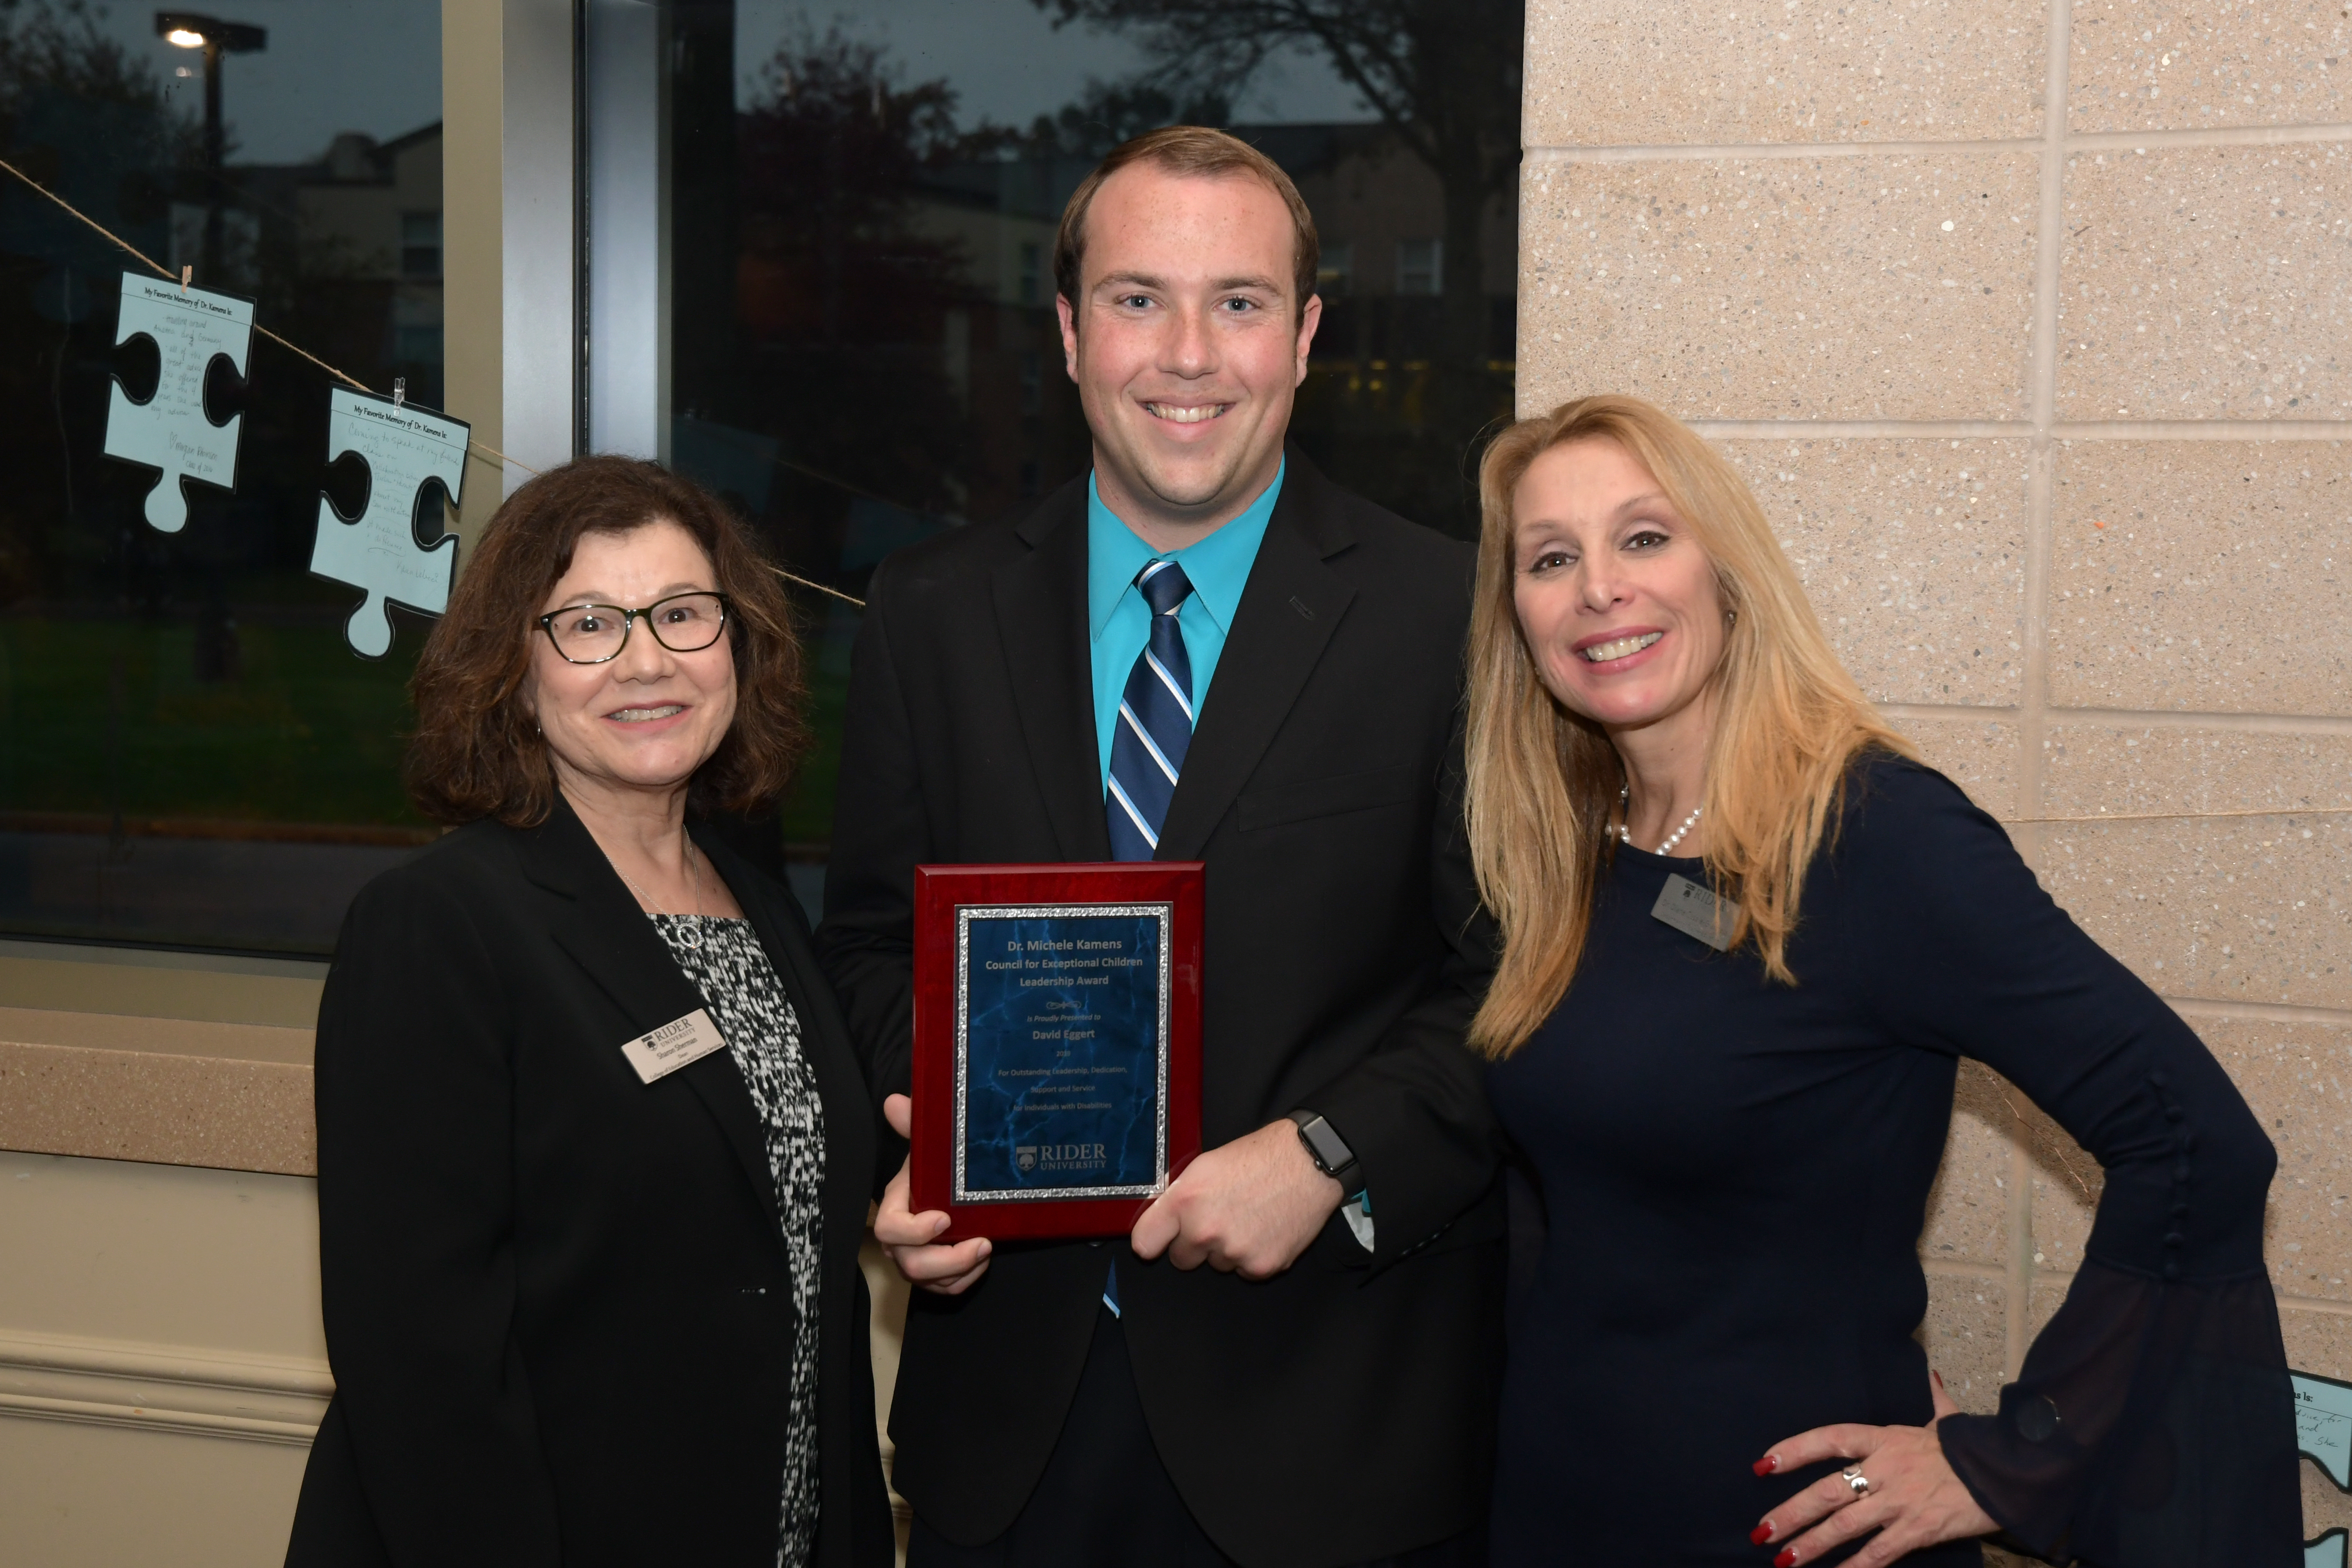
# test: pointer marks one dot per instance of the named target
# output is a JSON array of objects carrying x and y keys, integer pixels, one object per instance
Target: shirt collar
[{"x": 1218, "y": 566}]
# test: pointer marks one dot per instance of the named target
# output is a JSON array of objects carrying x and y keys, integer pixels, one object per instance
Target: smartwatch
[{"x": 1329, "y": 1151}]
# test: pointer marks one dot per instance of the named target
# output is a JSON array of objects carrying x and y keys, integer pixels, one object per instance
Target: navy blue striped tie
[
  {"x": 1155, "y": 721},
  {"x": 1147, "y": 749}
]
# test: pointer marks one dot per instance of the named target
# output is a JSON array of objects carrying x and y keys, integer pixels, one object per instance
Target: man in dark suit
[{"x": 1204, "y": 651}]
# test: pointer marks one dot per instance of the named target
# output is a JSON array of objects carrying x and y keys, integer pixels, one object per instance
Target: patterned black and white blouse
[{"x": 763, "y": 1034}]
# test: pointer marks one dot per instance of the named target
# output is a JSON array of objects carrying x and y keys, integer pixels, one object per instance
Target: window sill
[{"x": 163, "y": 1058}]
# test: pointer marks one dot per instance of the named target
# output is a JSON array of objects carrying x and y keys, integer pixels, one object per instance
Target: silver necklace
[
  {"x": 1625, "y": 809},
  {"x": 689, "y": 937}
]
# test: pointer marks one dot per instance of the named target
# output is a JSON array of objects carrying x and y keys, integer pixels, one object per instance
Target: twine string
[
  {"x": 475, "y": 448},
  {"x": 820, "y": 587}
]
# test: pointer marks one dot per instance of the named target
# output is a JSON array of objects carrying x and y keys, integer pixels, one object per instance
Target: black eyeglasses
[{"x": 594, "y": 634}]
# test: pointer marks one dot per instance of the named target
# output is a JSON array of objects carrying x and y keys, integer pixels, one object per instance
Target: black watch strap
[{"x": 1329, "y": 1151}]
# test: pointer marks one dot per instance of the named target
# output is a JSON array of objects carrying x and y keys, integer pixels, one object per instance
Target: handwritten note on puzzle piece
[
  {"x": 405, "y": 448},
  {"x": 2323, "y": 1424},
  {"x": 169, "y": 431},
  {"x": 2322, "y": 1429}
]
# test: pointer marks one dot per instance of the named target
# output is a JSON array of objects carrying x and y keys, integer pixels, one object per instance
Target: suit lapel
[
  {"x": 594, "y": 920},
  {"x": 1288, "y": 610},
  {"x": 1041, "y": 621}
]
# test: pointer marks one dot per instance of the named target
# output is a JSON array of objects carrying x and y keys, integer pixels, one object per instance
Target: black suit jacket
[
  {"x": 557, "y": 1301},
  {"x": 1343, "y": 1410}
]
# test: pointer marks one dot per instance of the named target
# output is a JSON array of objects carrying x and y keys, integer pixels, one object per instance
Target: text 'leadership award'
[{"x": 1057, "y": 1043}]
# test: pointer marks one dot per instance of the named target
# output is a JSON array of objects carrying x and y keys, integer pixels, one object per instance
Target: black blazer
[
  {"x": 557, "y": 1302},
  {"x": 1343, "y": 1410}
]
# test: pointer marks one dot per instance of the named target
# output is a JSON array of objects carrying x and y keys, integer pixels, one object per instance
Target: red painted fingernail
[
  {"x": 1767, "y": 1465},
  {"x": 1785, "y": 1558},
  {"x": 1938, "y": 1377},
  {"x": 1762, "y": 1533}
]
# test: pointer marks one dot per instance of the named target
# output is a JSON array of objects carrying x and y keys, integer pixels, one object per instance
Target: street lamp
[{"x": 188, "y": 30}]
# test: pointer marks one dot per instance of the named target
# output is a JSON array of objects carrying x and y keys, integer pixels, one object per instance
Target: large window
[
  {"x": 190, "y": 751},
  {"x": 814, "y": 271},
  {"x": 863, "y": 342}
]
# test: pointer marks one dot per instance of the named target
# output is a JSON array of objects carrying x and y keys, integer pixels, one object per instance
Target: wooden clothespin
[
  {"x": 185, "y": 274},
  {"x": 399, "y": 390}
]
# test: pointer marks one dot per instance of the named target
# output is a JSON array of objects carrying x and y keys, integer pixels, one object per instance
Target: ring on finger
[{"x": 1852, "y": 1476}]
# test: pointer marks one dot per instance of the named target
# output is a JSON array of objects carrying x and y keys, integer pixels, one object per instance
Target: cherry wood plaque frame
[{"x": 940, "y": 890}]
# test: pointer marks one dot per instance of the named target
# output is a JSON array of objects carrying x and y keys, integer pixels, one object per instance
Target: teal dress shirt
[{"x": 1121, "y": 623}]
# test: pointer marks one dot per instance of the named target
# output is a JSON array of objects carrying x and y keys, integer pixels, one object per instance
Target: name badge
[
  {"x": 680, "y": 1043},
  {"x": 1696, "y": 911}
]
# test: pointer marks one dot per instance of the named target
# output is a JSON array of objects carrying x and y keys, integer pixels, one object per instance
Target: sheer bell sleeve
[{"x": 2152, "y": 1423}]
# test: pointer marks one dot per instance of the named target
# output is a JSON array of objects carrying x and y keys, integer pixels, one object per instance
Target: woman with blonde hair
[{"x": 1747, "y": 937}]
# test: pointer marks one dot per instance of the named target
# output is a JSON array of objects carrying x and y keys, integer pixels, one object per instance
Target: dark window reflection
[
  {"x": 189, "y": 751},
  {"x": 865, "y": 347}
]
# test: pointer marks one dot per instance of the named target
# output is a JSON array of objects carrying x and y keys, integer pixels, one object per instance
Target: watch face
[{"x": 1326, "y": 1145}]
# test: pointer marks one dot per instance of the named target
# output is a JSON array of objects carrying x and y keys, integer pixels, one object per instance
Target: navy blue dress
[{"x": 1736, "y": 1173}]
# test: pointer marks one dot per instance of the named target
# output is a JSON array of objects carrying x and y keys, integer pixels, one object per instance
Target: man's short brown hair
[
  {"x": 1188, "y": 150},
  {"x": 477, "y": 751}
]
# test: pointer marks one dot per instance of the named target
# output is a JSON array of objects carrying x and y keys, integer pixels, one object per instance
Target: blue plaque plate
[{"x": 1061, "y": 1083}]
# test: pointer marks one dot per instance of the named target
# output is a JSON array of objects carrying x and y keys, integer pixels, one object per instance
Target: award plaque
[{"x": 1057, "y": 1043}]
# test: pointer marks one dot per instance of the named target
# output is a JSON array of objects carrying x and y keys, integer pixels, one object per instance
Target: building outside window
[
  {"x": 420, "y": 245},
  {"x": 1335, "y": 279},
  {"x": 1420, "y": 266},
  {"x": 1032, "y": 272},
  {"x": 194, "y": 755},
  {"x": 1032, "y": 381}
]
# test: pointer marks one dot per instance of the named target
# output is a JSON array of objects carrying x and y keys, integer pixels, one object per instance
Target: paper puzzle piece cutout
[
  {"x": 169, "y": 431},
  {"x": 2323, "y": 1424},
  {"x": 405, "y": 448},
  {"x": 2327, "y": 1552}
]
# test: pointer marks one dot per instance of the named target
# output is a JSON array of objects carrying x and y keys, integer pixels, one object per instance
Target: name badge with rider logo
[
  {"x": 681, "y": 1043},
  {"x": 1697, "y": 911}
]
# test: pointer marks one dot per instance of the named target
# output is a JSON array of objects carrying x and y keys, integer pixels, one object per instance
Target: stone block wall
[{"x": 2031, "y": 324}]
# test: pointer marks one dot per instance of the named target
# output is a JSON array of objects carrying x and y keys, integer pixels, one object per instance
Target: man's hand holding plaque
[
  {"x": 1247, "y": 1208},
  {"x": 911, "y": 1238}
]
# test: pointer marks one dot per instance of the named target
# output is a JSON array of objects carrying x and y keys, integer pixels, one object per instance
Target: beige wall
[
  {"x": 2028, "y": 323},
  {"x": 162, "y": 1367}
]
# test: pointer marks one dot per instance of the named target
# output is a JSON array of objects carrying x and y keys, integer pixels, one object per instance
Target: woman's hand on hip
[
  {"x": 906, "y": 1237},
  {"x": 1915, "y": 1501}
]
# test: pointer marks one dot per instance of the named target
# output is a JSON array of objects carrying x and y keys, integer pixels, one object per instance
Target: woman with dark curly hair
[{"x": 594, "y": 1151}]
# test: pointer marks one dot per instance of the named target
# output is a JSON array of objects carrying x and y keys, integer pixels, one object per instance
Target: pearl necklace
[
  {"x": 689, "y": 936},
  {"x": 1625, "y": 807}
]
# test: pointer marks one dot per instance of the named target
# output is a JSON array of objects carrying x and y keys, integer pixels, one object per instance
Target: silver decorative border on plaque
[{"x": 1165, "y": 914}]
